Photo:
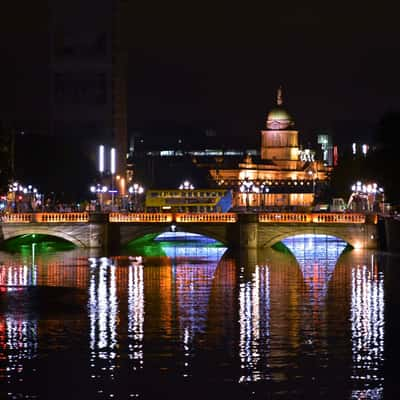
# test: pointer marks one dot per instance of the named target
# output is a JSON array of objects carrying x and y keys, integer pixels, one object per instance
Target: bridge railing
[
  {"x": 340, "y": 218},
  {"x": 71, "y": 217},
  {"x": 61, "y": 217},
  {"x": 206, "y": 217},
  {"x": 141, "y": 217},
  {"x": 316, "y": 218},
  {"x": 284, "y": 217},
  {"x": 291, "y": 218},
  {"x": 18, "y": 218}
]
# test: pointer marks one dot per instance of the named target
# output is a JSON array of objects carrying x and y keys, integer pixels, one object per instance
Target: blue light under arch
[
  {"x": 317, "y": 256},
  {"x": 193, "y": 245}
]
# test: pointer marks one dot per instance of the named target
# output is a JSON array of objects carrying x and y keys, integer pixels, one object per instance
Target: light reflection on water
[
  {"x": 317, "y": 256},
  {"x": 367, "y": 322},
  {"x": 254, "y": 321},
  {"x": 313, "y": 325}
]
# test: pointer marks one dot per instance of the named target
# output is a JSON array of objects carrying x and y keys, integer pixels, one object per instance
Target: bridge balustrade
[
  {"x": 141, "y": 217},
  {"x": 206, "y": 217},
  {"x": 18, "y": 218},
  {"x": 332, "y": 218},
  {"x": 83, "y": 217},
  {"x": 21, "y": 218},
  {"x": 69, "y": 217},
  {"x": 316, "y": 218},
  {"x": 285, "y": 217}
]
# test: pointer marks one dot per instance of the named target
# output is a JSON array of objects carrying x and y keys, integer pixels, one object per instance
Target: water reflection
[
  {"x": 367, "y": 322},
  {"x": 293, "y": 307},
  {"x": 103, "y": 310},
  {"x": 18, "y": 343},
  {"x": 136, "y": 314},
  {"x": 317, "y": 256},
  {"x": 254, "y": 322},
  {"x": 194, "y": 261},
  {"x": 306, "y": 324}
]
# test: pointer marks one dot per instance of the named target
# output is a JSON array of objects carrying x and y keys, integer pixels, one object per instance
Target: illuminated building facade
[{"x": 285, "y": 175}]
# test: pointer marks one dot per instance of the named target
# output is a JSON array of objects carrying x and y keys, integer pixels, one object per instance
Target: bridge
[{"x": 246, "y": 230}]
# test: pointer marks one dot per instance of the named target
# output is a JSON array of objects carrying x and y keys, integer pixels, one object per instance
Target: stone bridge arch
[
  {"x": 133, "y": 232},
  {"x": 356, "y": 235},
  {"x": 68, "y": 233}
]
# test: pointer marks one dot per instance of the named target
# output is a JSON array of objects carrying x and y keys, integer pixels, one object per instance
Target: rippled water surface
[{"x": 198, "y": 321}]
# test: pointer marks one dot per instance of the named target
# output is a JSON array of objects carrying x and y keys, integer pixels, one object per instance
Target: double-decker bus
[{"x": 188, "y": 200}]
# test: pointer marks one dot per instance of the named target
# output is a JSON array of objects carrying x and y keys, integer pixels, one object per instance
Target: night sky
[{"x": 219, "y": 66}]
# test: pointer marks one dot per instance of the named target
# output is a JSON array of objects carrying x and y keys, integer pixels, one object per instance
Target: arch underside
[
  {"x": 337, "y": 233},
  {"x": 37, "y": 230},
  {"x": 132, "y": 235}
]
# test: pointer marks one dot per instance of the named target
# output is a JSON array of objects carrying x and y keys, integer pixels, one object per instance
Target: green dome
[
  {"x": 278, "y": 117},
  {"x": 278, "y": 114}
]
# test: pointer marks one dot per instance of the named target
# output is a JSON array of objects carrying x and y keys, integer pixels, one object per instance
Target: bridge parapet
[
  {"x": 316, "y": 218},
  {"x": 284, "y": 217},
  {"x": 341, "y": 218},
  {"x": 141, "y": 217},
  {"x": 69, "y": 217},
  {"x": 23, "y": 218},
  {"x": 18, "y": 218},
  {"x": 169, "y": 217},
  {"x": 206, "y": 217}
]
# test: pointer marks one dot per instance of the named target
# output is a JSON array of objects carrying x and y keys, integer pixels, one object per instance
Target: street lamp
[
  {"x": 101, "y": 159},
  {"x": 23, "y": 197},
  {"x": 246, "y": 187},
  {"x": 99, "y": 190},
  {"x": 186, "y": 185},
  {"x": 136, "y": 190},
  {"x": 366, "y": 195},
  {"x": 264, "y": 189},
  {"x": 112, "y": 170}
]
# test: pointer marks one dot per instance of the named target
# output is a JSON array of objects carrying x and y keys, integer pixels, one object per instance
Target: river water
[{"x": 195, "y": 320}]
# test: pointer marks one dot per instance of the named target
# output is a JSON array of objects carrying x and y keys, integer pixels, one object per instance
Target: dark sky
[{"x": 219, "y": 66}]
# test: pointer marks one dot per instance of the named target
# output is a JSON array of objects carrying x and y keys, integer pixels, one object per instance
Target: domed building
[{"x": 284, "y": 176}]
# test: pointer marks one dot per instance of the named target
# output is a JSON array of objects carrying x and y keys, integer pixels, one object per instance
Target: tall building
[
  {"x": 6, "y": 156},
  {"x": 327, "y": 148},
  {"x": 285, "y": 175},
  {"x": 87, "y": 85}
]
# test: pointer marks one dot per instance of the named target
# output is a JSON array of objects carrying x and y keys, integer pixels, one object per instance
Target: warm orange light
[{"x": 122, "y": 185}]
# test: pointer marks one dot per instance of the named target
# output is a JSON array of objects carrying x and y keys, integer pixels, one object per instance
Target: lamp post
[
  {"x": 136, "y": 190},
  {"x": 22, "y": 197},
  {"x": 313, "y": 175},
  {"x": 366, "y": 196},
  {"x": 246, "y": 187},
  {"x": 264, "y": 189},
  {"x": 112, "y": 170},
  {"x": 99, "y": 190},
  {"x": 186, "y": 185}
]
